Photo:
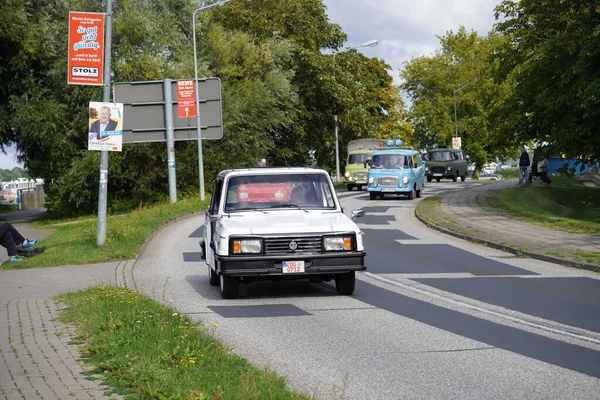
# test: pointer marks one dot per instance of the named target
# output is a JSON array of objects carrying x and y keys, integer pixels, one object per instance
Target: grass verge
[
  {"x": 564, "y": 205},
  {"x": 74, "y": 242},
  {"x": 145, "y": 350}
]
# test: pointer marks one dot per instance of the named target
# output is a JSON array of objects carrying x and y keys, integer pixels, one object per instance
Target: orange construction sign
[
  {"x": 186, "y": 103},
  {"x": 86, "y": 48}
]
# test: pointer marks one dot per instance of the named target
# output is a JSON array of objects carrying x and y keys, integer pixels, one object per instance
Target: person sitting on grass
[{"x": 12, "y": 239}]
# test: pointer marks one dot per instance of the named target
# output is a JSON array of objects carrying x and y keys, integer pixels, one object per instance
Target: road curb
[{"x": 508, "y": 249}]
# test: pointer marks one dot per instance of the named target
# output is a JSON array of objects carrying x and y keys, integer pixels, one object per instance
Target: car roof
[
  {"x": 442, "y": 149},
  {"x": 270, "y": 171},
  {"x": 396, "y": 151}
]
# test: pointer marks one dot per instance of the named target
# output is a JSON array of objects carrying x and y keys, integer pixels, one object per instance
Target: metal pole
[
  {"x": 170, "y": 141},
  {"x": 337, "y": 145},
  {"x": 455, "y": 123},
  {"x": 198, "y": 126},
  {"x": 103, "y": 187}
]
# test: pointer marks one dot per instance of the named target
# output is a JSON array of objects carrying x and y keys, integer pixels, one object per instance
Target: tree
[
  {"x": 552, "y": 54},
  {"x": 462, "y": 66}
]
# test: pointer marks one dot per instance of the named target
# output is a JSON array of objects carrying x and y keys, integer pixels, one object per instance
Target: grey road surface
[{"x": 433, "y": 317}]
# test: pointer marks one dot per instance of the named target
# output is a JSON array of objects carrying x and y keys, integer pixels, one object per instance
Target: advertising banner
[
  {"x": 105, "y": 126},
  {"x": 86, "y": 48},
  {"x": 186, "y": 102}
]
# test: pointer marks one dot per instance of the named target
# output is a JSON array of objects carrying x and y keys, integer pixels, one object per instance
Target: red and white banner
[{"x": 86, "y": 48}]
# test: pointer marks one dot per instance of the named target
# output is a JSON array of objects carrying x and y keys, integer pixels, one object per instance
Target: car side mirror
[
  {"x": 368, "y": 163},
  {"x": 357, "y": 214}
]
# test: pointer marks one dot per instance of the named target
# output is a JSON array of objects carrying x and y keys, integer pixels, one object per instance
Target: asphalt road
[{"x": 433, "y": 317}]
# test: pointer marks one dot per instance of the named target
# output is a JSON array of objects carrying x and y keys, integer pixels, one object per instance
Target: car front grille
[
  {"x": 387, "y": 181},
  {"x": 281, "y": 245},
  {"x": 437, "y": 170},
  {"x": 361, "y": 175}
]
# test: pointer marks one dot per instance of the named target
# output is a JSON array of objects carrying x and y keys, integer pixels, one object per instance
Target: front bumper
[{"x": 314, "y": 264}]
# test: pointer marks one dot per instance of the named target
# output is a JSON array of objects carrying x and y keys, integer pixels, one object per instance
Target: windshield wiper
[{"x": 285, "y": 205}]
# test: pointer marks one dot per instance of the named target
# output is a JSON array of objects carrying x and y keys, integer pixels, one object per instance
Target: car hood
[{"x": 287, "y": 222}]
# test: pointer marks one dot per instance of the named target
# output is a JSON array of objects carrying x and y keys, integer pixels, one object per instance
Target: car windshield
[
  {"x": 440, "y": 156},
  {"x": 358, "y": 158},
  {"x": 285, "y": 191},
  {"x": 389, "y": 161}
]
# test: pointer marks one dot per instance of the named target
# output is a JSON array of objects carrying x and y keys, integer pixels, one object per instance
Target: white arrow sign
[{"x": 186, "y": 111}]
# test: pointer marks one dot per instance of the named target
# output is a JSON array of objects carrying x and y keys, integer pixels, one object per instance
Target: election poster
[{"x": 105, "y": 126}]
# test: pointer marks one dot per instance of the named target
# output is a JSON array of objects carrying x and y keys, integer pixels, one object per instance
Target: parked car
[
  {"x": 446, "y": 163},
  {"x": 485, "y": 175},
  {"x": 279, "y": 224}
]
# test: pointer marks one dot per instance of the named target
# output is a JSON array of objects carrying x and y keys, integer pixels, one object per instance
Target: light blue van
[{"x": 396, "y": 170}]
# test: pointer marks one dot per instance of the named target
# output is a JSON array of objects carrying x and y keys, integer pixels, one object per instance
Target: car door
[
  {"x": 419, "y": 170},
  {"x": 210, "y": 219}
]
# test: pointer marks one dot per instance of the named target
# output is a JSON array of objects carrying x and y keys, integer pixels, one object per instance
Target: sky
[
  {"x": 403, "y": 28},
  {"x": 407, "y": 28}
]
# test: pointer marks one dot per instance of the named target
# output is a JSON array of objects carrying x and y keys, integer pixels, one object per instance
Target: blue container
[{"x": 555, "y": 163}]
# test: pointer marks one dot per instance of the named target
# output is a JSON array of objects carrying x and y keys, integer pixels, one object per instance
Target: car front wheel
[
  {"x": 213, "y": 278},
  {"x": 372, "y": 195},
  {"x": 229, "y": 287},
  {"x": 344, "y": 283}
]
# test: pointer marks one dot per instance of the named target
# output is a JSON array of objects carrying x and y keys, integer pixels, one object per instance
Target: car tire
[
  {"x": 359, "y": 188},
  {"x": 463, "y": 178},
  {"x": 429, "y": 179},
  {"x": 372, "y": 195},
  {"x": 344, "y": 283},
  {"x": 229, "y": 287},
  {"x": 455, "y": 178},
  {"x": 437, "y": 179},
  {"x": 419, "y": 192},
  {"x": 349, "y": 187},
  {"x": 213, "y": 277},
  {"x": 412, "y": 194}
]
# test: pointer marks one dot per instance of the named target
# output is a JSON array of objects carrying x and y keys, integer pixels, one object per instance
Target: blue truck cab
[{"x": 395, "y": 170}]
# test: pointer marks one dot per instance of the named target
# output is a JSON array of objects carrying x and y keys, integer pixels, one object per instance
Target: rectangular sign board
[
  {"x": 144, "y": 106},
  {"x": 186, "y": 100},
  {"x": 86, "y": 48}
]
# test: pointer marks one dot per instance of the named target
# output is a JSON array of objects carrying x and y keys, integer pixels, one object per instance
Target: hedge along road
[{"x": 432, "y": 317}]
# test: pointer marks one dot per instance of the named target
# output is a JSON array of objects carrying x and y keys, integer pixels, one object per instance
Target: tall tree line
[
  {"x": 535, "y": 79},
  {"x": 274, "y": 58}
]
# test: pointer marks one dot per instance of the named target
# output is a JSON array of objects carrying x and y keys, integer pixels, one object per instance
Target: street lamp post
[
  {"x": 455, "y": 118},
  {"x": 370, "y": 43},
  {"x": 198, "y": 126}
]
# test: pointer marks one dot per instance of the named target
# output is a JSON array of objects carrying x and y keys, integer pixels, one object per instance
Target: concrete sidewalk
[{"x": 464, "y": 214}]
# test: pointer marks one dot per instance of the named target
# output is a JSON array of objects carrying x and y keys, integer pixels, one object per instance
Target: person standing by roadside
[
  {"x": 542, "y": 168},
  {"x": 524, "y": 164},
  {"x": 262, "y": 163}
]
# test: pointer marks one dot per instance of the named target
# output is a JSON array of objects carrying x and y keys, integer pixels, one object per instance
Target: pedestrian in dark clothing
[
  {"x": 12, "y": 239},
  {"x": 262, "y": 163},
  {"x": 524, "y": 164}
]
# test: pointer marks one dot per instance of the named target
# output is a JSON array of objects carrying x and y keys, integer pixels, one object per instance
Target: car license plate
[
  {"x": 292, "y": 267},
  {"x": 387, "y": 190},
  {"x": 361, "y": 182},
  {"x": 437, "y": 174}
]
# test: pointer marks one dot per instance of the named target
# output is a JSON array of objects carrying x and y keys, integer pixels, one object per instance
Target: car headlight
[
  {"x": 371, "y": 179},
  {"x": 347, "y": 174},
  {"x": 449, "y": 168},
  {"x": 426, "y": 169},
  {"x": 243, "y": 246},
  {"x": 405, "y": 180},
  {"x": 337, "y": 243}
]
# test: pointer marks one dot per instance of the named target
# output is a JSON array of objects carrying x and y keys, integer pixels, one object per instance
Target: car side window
[{"x": 216, "y": 197}]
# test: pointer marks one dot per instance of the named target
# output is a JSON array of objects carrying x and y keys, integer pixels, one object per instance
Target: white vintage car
[{"x": 278, "y": 224}]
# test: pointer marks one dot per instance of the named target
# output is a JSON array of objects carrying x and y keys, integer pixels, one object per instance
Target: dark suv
[{"x": 447, "y": 164}]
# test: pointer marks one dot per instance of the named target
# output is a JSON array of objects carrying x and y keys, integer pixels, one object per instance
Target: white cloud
[{"x": 407, "y": 28}]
